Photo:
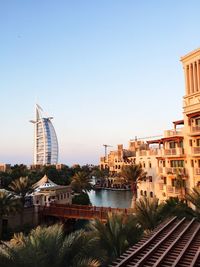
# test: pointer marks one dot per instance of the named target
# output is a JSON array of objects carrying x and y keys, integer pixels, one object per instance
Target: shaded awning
[
  {"x": 194, "y": 115},
  {"x": 156, "y": 141},
  {"x": 172, "y": 138},
  {"x": 180, "y": 122}
]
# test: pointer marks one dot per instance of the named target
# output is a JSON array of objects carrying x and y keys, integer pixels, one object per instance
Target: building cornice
[{"x": 190, "y": 55}]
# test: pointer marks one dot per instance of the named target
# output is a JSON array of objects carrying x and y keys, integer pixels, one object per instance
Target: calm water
[{"x": 113, "y": 199}]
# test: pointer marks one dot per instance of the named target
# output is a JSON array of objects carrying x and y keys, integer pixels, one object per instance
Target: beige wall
[{"x": 186, "y": 138}]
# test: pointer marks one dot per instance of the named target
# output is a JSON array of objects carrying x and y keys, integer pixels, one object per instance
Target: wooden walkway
[
  {"x": 80, "y": 212},
  {"x": 175, "y": 243}
]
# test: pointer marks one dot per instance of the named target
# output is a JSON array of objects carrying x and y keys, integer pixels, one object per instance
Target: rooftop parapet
[{"x": 170, "y": 133}]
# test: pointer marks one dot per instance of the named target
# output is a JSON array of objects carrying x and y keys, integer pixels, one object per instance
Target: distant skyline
[{"x": 107, "y": 71}]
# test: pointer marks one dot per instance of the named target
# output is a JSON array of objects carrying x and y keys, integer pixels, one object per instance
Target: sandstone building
[{"x": 177, "y": 151}]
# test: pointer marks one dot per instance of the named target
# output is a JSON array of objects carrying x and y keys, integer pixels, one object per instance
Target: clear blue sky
[{"x": 107, "y": 70}]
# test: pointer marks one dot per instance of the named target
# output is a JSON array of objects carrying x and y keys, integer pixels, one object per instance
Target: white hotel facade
[
  {"x": 177, "y": 150},
  {"x": 45, "y": 139}
]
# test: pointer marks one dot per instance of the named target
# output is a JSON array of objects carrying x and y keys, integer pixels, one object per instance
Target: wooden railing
[
  {"x": 80, "y": 211},
  {"x": 196, "y": 150},
  {"x": 176, "y": 170},
  {"x": 195, "y": 129},
  {"x": 174, "y": 151},
  {"x": 197, "y": 171}
]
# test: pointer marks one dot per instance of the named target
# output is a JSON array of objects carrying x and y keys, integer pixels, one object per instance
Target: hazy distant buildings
[
  {"x": 4, "y": 167},
  {"x": 45, "y": 140}
]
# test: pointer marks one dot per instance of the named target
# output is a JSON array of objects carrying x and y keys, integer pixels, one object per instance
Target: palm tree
[
  {"x": 48, "y": 246},
  {"x": 9, "y": 204},
  {"x": 148, "y": 212},
  {"x": 21, "y": 187},
  {"x": 194, "y": 198},
  {"x": 133, "y": 174},
  {"x": 175, "y": 207},
  {"x": 81, "y": 182},
  {"x": 117, "y": 234},
  {"x": 179, "y": 183}
]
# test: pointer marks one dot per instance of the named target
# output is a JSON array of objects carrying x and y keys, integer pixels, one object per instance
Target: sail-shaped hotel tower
[{"x": 45, "y": 139}]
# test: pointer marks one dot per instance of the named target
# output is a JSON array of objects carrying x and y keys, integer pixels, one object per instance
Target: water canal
[{"x": 109, "y": 198}]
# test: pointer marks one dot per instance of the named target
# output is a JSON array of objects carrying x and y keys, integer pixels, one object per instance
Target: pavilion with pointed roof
[{"x": 46, "y": 192}]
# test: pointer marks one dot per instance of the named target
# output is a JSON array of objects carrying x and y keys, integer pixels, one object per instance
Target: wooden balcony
[
  {"x": 196, "y": 150},
  {"x": 195, "y": 129},
  {"x": 172, "y": 190},
  {"x": 175, "y": 170},
  {"x": 179, "y": 151},
  {"x": 161, "y": 186},
  {"x": 171, "y": 133},
  {"x": 150, "y": 152},
  {"x": 197, "y": 171}
]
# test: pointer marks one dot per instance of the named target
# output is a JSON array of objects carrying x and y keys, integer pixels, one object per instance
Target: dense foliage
[
  {"x": 81, "y": 199},
  {"x": 62, "y": 176},
  {"x": 99, "y": 243},
  {"x": 49, "y": 246}
]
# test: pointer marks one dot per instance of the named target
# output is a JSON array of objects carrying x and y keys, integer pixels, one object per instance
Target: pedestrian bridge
[{"x": 80, "y": 212}]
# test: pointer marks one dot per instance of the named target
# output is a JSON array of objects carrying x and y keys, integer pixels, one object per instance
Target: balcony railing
[
  {"x": 171, "y": 151},
  {"x": 197, "y": 171},
  {"x": 161, "y": 186},
  {"x": 195, "y": 129},
  {"x": 150, "y": 152},
  {"x": 172, "y": 190},
  {"x": 170, "y": 133},
  {"x": 142, "y": 153},
  {"x": 174, "y": 151},
  {"x": 196, "y": 150},
  {"x": 175, "y": 170}
]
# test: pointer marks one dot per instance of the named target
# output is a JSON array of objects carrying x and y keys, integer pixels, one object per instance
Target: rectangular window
[
  {"x": 177, "y": 163},
  {"x": 181, "y": 144},
  {"x": 192, "y": 163},
  {"x": 198, "y": 142},
  {"x": 163, "y": 163},
  {"x": 165, "y": 180},
  {"x": 150, "y": 179},
  {"x": 172, "y": 145},
  {"x": 150, "y": 165},
  {"x": 173, "y": 182},
  {"x": 198, "y": 163},
  {"x": 197, "y": 121},
  {"x": 190, "y": 142}
]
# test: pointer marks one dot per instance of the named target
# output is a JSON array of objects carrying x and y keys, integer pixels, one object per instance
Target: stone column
[
  {"x": 198, "y": 76},
  {"x": 187, "y": 75},
  {"x": 191, "y": 79},
  {"x": 194, "y": 77}
]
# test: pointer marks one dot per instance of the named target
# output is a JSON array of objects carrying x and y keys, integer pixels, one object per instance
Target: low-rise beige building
[
  {"x": 46, "y": 192},
  {"x": 178, "y": 151},
  {"x": 5, "y": 167}
]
